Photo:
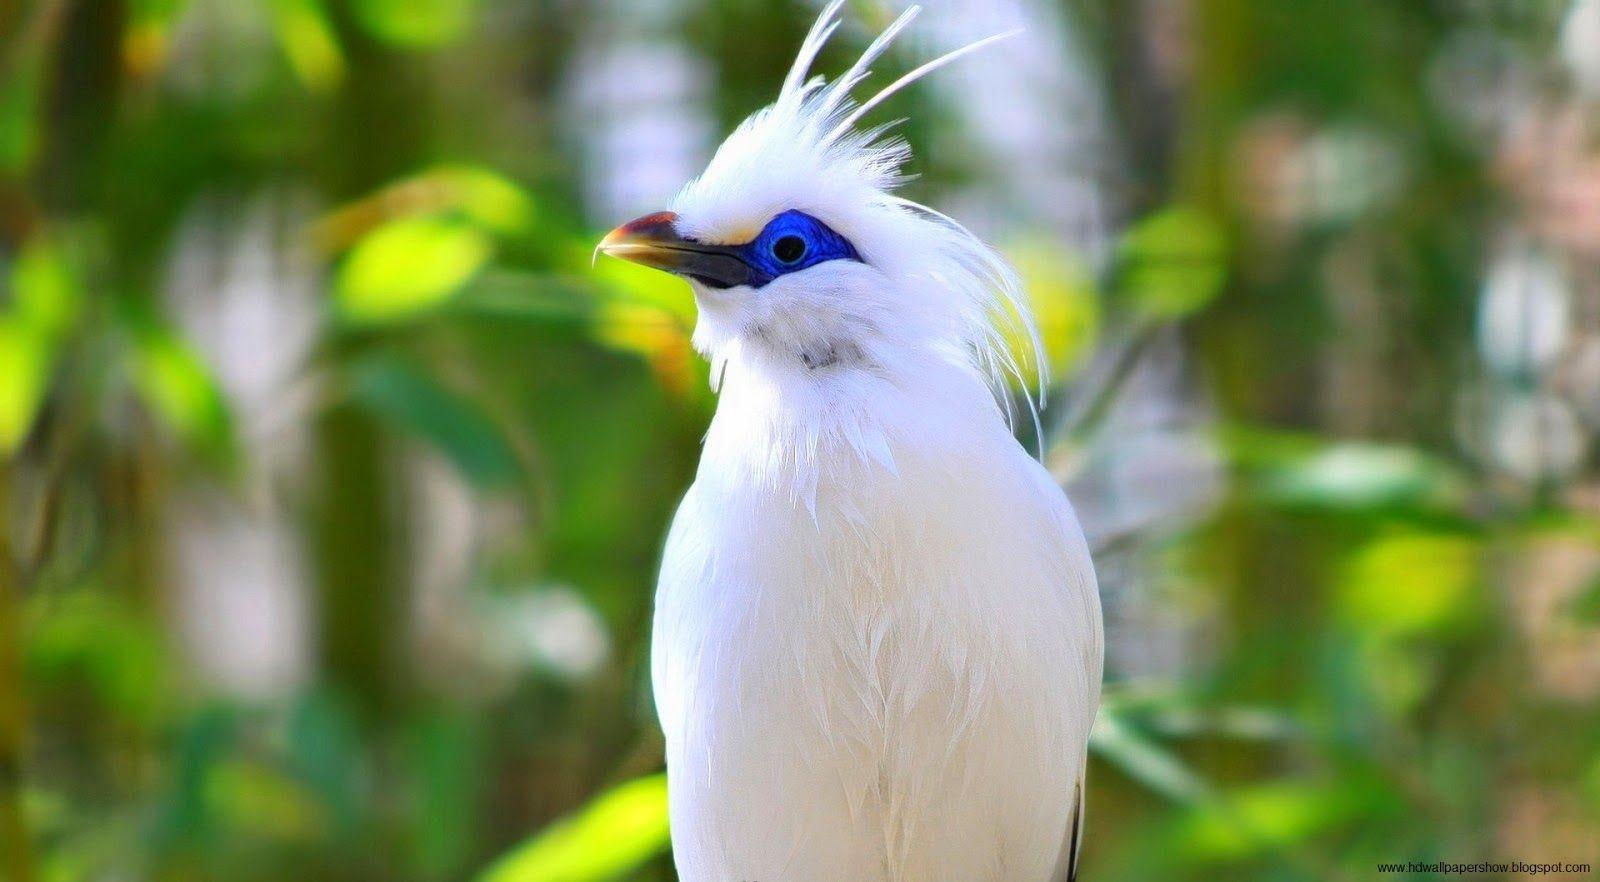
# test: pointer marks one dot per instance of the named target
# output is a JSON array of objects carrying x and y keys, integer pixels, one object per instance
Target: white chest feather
[{"x": 877, "y": 646}]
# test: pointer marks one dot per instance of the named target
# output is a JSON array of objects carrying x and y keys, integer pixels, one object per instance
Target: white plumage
[{"x": 877, "y": 647}]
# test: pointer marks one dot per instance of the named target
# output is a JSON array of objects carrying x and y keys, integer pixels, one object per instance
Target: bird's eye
[{"x": 789, "y": 249}]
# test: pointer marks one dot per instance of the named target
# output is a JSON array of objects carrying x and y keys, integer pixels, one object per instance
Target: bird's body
[
  {"x": 877, "y": 646},
  {"x": 885, "y": 674}
]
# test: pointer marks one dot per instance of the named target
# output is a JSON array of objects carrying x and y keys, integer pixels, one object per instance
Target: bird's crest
[{"x": 807, "y": 150}]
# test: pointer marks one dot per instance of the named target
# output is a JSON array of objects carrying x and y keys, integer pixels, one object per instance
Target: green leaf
[
  {"x": 454, "y": 425},
  {"x": 623, "y": 281},
  {"x": 1065, "y": 304},
  {"x": 45, "y": 302},
  {"x": 1173, "y": 262},
  {"x": 178, "y": 386},
  {"x": 614, "y": 834},
  {"x": 484, "y": 196},
  {"x": 415, "y": 23},
  {"x": 408, "y": 266},
  {"x": 1262, "y": 818},
  {"x": 1144, "y": 760},
  {"x": 97, "y": 646},
  {"x": 309, "y": 43},
  {"x": 45, "y": 291},
  {"x": 1410, "y": 582},
  {"x": 26, "y": 359},
  {"x": 1299, "y": 471},
  {"x": 261, "y": 801},
  {"x": 445, "y": 753}
]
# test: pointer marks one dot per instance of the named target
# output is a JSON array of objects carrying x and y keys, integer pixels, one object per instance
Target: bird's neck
[{"x": 791, "y": 423}]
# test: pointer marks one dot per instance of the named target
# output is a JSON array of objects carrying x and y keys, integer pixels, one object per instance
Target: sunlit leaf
[
  {"x": 474, "y": 195},
  {"x": 654, "y": 334},
  {"x": 26, "y": 357},
  {"x": 484, "y": 196},
  {"x": 453, "y": 424},
  {"x": 1397, "y": 587},
  {"x": 408, "y": 266},
  {"x": 178, "y": 386},
  {"x": 649, "y": 313},
  {"x": 1250, "y": 820},
  {"x": 45, "y": 292},
  {"x": 46, "y": 300},
  {"x": 1409, "y": 582},
  {"x": 626, "y": 281},
  {"x": 415, "y": 23},
  {"x": 309, "y": 42},
  {"x": 1065, "y": 307},
  {"x": 1172, "y": 263},
  {"x": 614, "y": 834}
]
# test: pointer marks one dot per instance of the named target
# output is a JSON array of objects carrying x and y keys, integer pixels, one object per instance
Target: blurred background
[{"x": 333, "y": 478}]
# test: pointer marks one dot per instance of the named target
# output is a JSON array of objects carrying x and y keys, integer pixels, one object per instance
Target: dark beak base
[{"x": 654, "y": 241}]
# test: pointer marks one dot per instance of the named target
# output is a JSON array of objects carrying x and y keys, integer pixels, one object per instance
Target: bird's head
[{"x": 800, "y": 254}]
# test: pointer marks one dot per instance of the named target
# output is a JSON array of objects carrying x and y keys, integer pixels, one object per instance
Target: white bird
[{"x": 877, "y": 642}]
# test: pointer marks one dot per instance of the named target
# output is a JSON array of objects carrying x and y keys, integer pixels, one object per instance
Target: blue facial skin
[{"x": 791, "y": 242}]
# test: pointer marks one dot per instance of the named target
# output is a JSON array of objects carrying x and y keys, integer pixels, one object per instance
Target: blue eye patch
[{"x": 791, "y": 242}]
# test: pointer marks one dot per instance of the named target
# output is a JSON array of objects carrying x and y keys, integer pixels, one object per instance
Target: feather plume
[{"x": 807, "y": 151}]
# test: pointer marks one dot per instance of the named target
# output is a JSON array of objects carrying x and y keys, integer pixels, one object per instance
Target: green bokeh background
[{"x": 333, "y": 476}]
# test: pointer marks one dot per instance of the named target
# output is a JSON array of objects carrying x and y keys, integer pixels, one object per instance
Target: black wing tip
[{"x": 1075, "y": 837}]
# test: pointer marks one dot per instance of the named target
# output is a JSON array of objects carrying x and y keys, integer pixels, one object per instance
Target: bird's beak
[{"x": 653, "y": 241}]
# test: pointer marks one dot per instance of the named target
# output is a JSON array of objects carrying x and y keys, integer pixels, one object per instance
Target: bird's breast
[{"x": 889, "y": 631}]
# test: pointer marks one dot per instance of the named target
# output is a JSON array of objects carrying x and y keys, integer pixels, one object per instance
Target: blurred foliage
[
  {"x": 414, "y": 402},
  {"x": 1174, "y": 262},
  {"x": 407, "y": 266},
  {"x": 613, "y": 835},
  {"x": 333, "y": 475}
]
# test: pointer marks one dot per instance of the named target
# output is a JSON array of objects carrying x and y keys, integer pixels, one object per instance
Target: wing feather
[{"x": 1068, "y": 871}]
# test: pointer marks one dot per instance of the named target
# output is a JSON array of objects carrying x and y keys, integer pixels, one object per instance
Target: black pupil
[{"x": 789, "y": 249}]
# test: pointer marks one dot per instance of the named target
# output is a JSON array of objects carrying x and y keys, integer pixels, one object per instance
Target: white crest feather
[
  {"x": 866, "y": 107},
  {"x": 824, "y": 27},
  {"x": 840, "y": 92},
  {"x": 805, "y": 151}
]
